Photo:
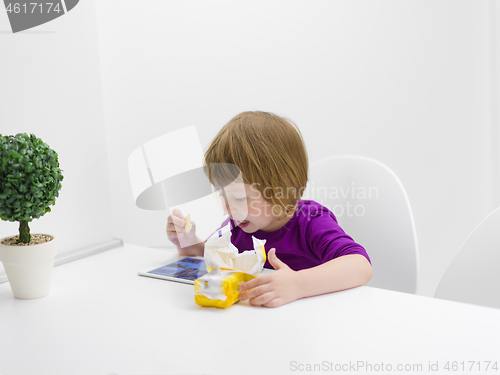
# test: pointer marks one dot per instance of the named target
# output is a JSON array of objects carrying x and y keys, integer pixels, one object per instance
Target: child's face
[{"x": 246, "y": 203}]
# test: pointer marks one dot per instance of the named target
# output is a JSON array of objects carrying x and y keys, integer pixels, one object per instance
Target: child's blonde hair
[{"x": 269, "y": 151}]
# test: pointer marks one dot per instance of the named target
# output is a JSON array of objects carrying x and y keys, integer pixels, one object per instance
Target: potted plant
[{"x": 30, "y": 180}]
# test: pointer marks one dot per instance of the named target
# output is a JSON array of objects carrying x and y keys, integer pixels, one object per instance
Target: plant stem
[{"x": 24, "y": 232}]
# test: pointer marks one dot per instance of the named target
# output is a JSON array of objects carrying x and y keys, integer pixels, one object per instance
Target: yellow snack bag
[
  {"x": 219, "y": 289},
  {"x": 227, "y": 269}
]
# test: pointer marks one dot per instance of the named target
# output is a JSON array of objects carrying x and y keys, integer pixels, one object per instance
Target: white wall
[
  {"x": 50, "y": 86},
  {"x": 409, "y": 83},
  {"x": 406, "y": 83}
]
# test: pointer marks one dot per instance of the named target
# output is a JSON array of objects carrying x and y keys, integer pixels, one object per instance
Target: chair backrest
[
  {"x": 372, "y": 207},
  {"x": 474, "y": 274}
]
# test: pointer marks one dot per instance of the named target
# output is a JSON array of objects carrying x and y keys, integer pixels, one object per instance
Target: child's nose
[
  {"x": 234, "y": 213},
  {"x": 228, "y": 210},
  {"x": 231, "y": 210}
]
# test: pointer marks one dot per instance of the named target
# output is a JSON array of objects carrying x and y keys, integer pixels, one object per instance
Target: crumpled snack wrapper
[
  {"x": 227, "y": 269},
  {"x": 220, "y": 250}
]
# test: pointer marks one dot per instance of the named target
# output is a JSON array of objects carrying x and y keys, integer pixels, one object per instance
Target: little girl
[{"x": 311, "y": 254}]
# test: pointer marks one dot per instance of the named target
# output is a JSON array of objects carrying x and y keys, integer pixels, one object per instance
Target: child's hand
[
  {"x": 176, "y": 230},
  {"x": 272, "y": 290}
]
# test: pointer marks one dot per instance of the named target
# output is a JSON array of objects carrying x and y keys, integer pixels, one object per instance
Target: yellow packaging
[
  {"x": 227, "y": 269},
  {"x": 222, "y": 288}
]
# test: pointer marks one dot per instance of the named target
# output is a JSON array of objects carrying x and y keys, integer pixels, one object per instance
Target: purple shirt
[{"x": 310, "y": 238}]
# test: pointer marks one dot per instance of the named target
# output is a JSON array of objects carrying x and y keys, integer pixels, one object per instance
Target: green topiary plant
[{"x": 30, "y": 180}]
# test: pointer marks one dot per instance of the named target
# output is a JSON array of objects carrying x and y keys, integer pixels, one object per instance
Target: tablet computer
[{"x": 180, "y": 269}]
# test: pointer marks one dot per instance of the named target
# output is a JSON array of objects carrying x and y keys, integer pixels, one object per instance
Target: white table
[{"x": 102, "y": 318}]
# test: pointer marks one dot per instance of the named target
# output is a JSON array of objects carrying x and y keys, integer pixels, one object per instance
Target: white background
[{"x": 410, "y": 83}]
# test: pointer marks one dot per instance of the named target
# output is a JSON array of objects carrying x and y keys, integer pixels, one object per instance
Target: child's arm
[
  {"x": 187, "y": 243},
  {"x": 341, "y": 273},
  {"x": 286, "y": 285}
]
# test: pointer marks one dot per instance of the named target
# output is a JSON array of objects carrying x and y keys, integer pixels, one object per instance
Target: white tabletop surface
[{"x": 102, "y": 318}]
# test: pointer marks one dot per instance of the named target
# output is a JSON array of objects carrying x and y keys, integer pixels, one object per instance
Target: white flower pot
[{"x": 29, "y": 268}]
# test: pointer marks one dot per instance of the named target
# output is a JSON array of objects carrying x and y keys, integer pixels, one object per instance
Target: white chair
[
  {"x": 371, "y": 205},
  {"x": 474, "y": 274}
]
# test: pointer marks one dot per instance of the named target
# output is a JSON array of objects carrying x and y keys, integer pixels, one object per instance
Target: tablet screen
[{"x": 187, "y": 269}]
